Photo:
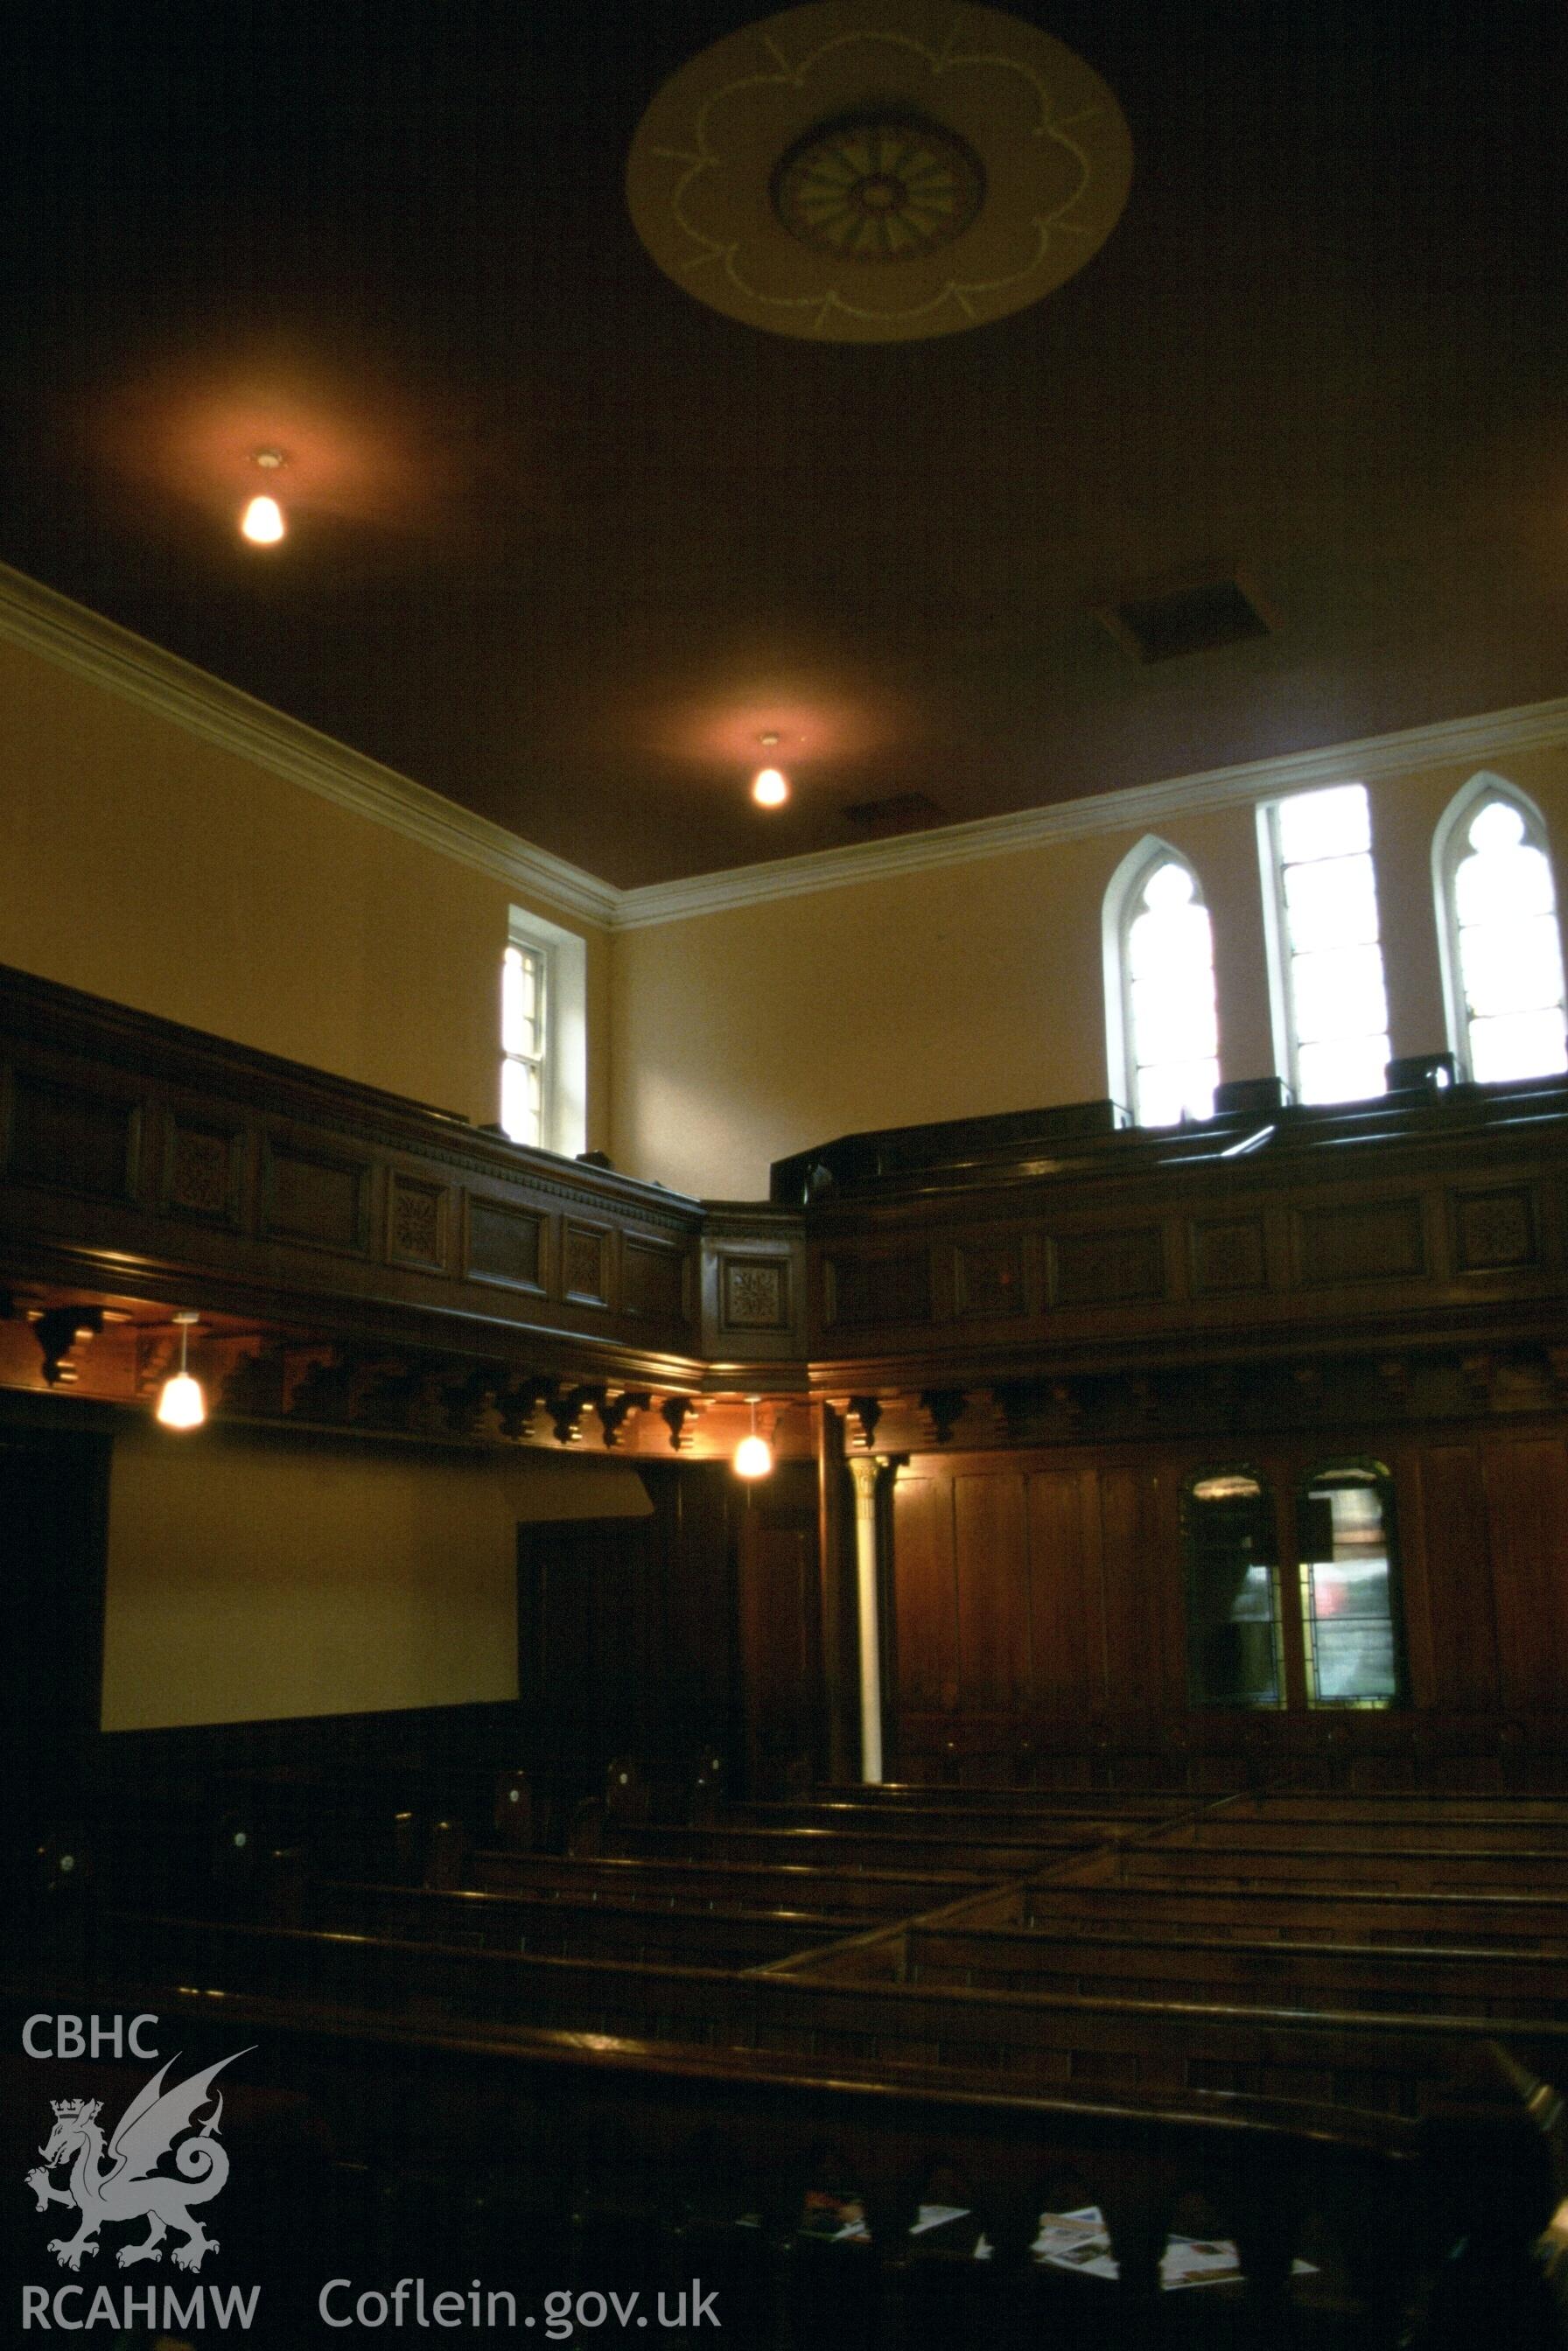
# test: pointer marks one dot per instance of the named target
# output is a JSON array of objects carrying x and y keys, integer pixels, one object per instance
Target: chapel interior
[{"x": 783, "y": 1221}]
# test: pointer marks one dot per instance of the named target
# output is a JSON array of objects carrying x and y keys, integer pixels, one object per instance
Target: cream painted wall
[
  {"x": 253, "y": 1577},
  {"x": 741, "y": 1035},
  {"x": 146, "y": 865}
]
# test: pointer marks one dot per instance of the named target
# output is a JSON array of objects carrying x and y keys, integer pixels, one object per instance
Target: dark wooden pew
[
  {"x": 546, "y": 2122},
  {"x": 1402, "y": 1979},
  {"x": 1377, "y": 2063},
  {"x": 1342, "y": 1860},
  {"x": 1360, "y": 1914},
  {"x": 823, "y": 1892},
  {"x": 1010, "y": 1851},
  {"x": 564, "y": 1929}
]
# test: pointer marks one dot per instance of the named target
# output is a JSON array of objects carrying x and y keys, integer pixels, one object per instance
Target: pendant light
[
  {"x": 180, "y": 1401},
  {"x": 263, "y": 522},
  {"x": 753, "y": 1455}
]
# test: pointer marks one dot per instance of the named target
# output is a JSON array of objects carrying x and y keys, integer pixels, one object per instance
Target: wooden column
[
  {"x": 867, "y": 1470},
  {"x": 837, "y": 1739}
]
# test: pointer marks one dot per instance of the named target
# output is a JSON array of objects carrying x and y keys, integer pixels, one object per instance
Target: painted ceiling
[{"x": 566, "y": 540}]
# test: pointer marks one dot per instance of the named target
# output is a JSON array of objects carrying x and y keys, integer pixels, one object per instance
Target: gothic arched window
[
  {"x": 1502, "y": 952},
  {"x": 1162, "y": 1027}
]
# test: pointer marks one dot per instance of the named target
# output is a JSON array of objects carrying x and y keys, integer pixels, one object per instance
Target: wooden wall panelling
[
  {"x": 1067, "y": 1604},
  {"x": 1526, "y": 1483},
  {"x": 81, "y": 1136},
  {"x": 1408, "y": 1465},
  {"x": 991, "y": 1545},
  {"x": 1457, "y": 1555},
  {"x": 314, "y": 1194},
  {"x": 779, "y": 1663},
  {"x": 506, "y": 1244},
  {"x": 1146, "y": 1667},
  {"x": 924, "y": 1595}
]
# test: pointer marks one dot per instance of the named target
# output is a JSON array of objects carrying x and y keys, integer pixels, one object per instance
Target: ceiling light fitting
[
  {"x": 182, "y": 1404},
  {"x": 753, "y": 1455},
  {"x": 771, "y": 787},
  {"x": 263, "y": 520}
]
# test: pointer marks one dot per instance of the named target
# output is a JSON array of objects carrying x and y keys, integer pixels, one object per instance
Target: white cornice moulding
[
  {"x": 1136, "y": 808},
  {"x": 114, "y": 658},
  {"x": 107, "y": 655}
]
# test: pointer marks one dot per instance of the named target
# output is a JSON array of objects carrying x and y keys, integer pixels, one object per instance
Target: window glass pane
[
  {"x": 1518, "y": 1045},
  {"x": 1510, "y": 957},
  {"x": 1169, "y": 935},
  {"x": 1493, "y": 888},
  {"x": 1337, "y": 1008},
  {"x": 520, "y": 1100},
  {"x": 1340, "y": 995},
  {"x": 519, "y": 1001},
  {"x": 1177, "y": 1090},
  {"x": 1175, "y": 1021},
  {"x": 1347, "y": 1575},
  {"x": 1352, "y": 1068},
  {"x": 1173, "y": 1039},
  {"x": 1332, "y": 903},
  {"x": 1513, "y": 968},
  {"x": 1232, "y": 1612},
  {"x": 1334, "y": 823}
]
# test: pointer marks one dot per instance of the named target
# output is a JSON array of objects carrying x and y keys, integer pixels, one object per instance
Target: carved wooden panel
[
  {"x": 314, "y": 1195},
  {"x": 1494, "y": 1228},
  {"x": 863, "y": 1291},
  {"x": 754, "y": 1293},
  {"x": 204, "y": 1169},
  {"x": 1107, "y": 1267},
  {"x": 585, "y": 1263},
  {"x": 988, "y": 1277},
  {"x": 416, "y": 1222},
  {"x": 73, "y": 1138},
  {"x": 1228, "y": 1254},
  {"x": 1368, "y": 1240},
  {"x": 653, "y": 1279},
  {"x": 505, "y": 1245}
]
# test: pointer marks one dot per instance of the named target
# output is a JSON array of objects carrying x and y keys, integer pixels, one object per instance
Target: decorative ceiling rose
[
  {"x": 879, "y": 189},
  {"x": 876, "y": 171}
]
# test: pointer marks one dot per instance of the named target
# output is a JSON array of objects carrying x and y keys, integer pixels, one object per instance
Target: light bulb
[
  {"x": 753, "y": 1457},
  {"x": 262, "y": 522},
  {"x": 180, "y": 1401},
  {"x": 771, "y": 787},
  {"x": 180, "y": 1404}
]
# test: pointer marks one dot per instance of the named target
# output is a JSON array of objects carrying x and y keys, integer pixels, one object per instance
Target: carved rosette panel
[
  {"x": 585, "y": 1264},
  {"x": 416, "y": 1224},
  {"x": 1494, "y": 1228},
  {"x": 754, "y": 1293},
  {"x": 202, "y": 1172}
]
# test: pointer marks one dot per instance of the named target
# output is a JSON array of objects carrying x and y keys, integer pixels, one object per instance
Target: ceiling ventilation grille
[
  {"x": 900, "y": 813},
  {"x": 1185, "y": 621}
]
